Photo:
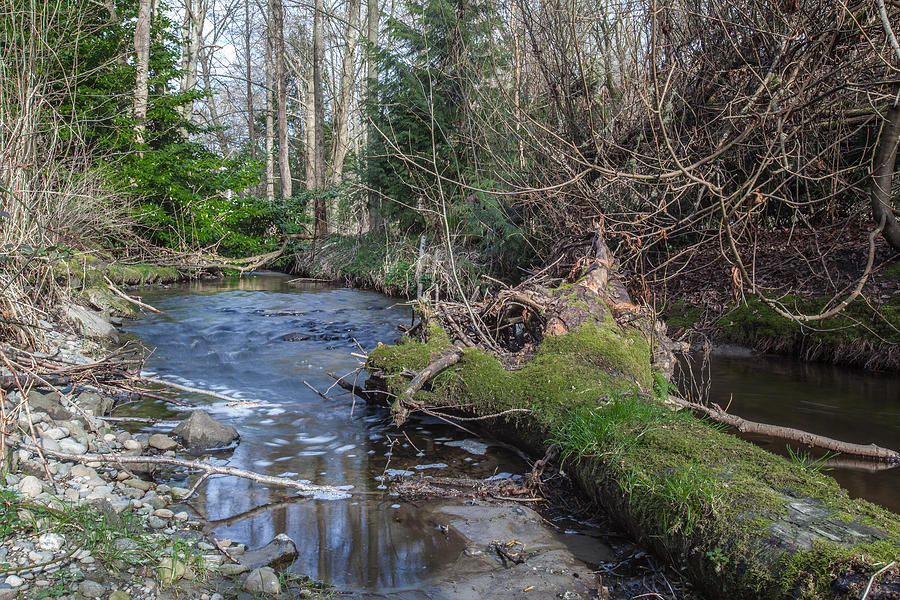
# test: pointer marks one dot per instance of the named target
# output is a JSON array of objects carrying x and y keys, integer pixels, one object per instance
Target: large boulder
[
  {"x": 49, "y": 403},
  {"x": 91, "y": 323},
  {"x": 201, "y": 432},
  {"x": 98, "y": 404}
]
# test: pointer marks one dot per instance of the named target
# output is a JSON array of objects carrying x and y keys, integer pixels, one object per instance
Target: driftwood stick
[
  {"x": 128, "y": 298},
  {"x": 191, "y": 390},
  {"x": 303, "y": 488},
  {"x": 789, "y": 433}
]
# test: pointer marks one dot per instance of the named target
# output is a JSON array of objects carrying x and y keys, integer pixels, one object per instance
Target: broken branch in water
[
  {"x": 192, "y": 390},
  {"x": 128, "y": 298},
  {"x": 812, "y": 440},
  {"x": 302, "y": 488}
]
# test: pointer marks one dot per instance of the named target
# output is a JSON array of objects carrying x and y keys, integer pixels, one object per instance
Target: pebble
[
  {"x": 262, "y": 581},
  {"x": 70, "y": 446},
  {"x": 31, "y": 486},
  {"x": 91, "y": 589},
  {"x": 132, "y": 445},
  {"x": 162, "y": 442},
  {"x": 164, "y": 513},
  {"x": 14, "y": 581},
  {"x": 155, "y": 522},
  {"x": 119, "y": 595}
]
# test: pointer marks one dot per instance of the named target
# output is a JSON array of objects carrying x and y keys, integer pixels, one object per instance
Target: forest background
[{"x": 739, "y": 156}]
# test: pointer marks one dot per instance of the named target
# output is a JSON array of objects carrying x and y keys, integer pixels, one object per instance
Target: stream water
[{"x": 258, "y": 339}]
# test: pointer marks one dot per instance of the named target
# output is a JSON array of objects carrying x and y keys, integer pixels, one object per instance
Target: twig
[
  {"x": 872, "y": 579},
  {"x": 191, "y": 390}
]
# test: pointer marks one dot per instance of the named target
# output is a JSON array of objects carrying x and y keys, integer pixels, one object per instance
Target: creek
[{"x": 258, "y": 338}]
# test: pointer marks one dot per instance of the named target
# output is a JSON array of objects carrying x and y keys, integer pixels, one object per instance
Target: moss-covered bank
[
  {"x": 863, "y": 334},
  {"x": 740, "y": 522}
]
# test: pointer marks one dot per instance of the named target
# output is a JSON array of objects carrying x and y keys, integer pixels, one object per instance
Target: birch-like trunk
[
  {"x": 270, "y": 125},
  {"x": 340, "y": 138},
  {"x": 251, "y": 114},
  {"x": 373, "y": 12},
  {"x": 321, "y": 216},
  {"x": 310, "y": 103},
  {"x": 194, "y": 19},
  {"x": 142, "y": 65},
  {"x": 284, "y": 165}
]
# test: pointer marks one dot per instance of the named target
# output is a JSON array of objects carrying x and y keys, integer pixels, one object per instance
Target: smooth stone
[
  {"x": 54, "y": 433},
  {"x": 169, "y": 571},
  {"x": 164, "y": 513},
  {"x": 200, "y": 431},
  {"x": 131, "y": 445},
  {"x": 52, "y": 542},
  {"x": 31, "y": 486},
  {"x": 91, "y": 589},
  {"x": 70, "y": 446},
  {"x": 280, "y": 551},
  {"x": 14, "y": 581},
  {"x": 230, "y": 569},
  {"x": 119, "y": 595},
  {"x": 156, "y": 523},
  {"x": 262, "y": 581},
  {"x": 162, "y": 442},
  {"x": 139, "y": 484}
]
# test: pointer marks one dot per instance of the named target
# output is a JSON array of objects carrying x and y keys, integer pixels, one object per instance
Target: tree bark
[
  {"x": 373, "y": 12},
  {"x": 270, "y": 126},
  {"x": 284, "y": 165},
  {"x": 142, "y": 65},
  {"x": 251, "y": 115},
  {"x": 194, "y": 19},
  {"x": 310, "y": 104},
  {"x": 340, "y": 142},
  {"x": 321, "y": 216},
  {"x": 883, "y": 177}
]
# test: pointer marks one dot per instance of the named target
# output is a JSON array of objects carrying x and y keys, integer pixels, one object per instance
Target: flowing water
[{"x": 257, "y": 339}]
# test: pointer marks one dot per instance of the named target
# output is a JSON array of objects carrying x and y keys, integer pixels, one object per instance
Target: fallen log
[{"x": 739, "y": 522}]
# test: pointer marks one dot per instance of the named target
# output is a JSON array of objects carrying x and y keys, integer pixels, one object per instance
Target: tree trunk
[
  {"x": 373, "y": 12},
  {"x": 883, "y": 179},
  {"x": 321, "y": 216},
  {"x": 270, "y": 125},
  {"x": 340, "y": 142},
  {"x": 194, "y": 19},
  {"x": 251, "y": 115},
  {"x": 284, "y": 165},
  {"x": 142, "y": 66},
  {"x": 220, "y": 133},
  {"x": 310, "y": 104}
]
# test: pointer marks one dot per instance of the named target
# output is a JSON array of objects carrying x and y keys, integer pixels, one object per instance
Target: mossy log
[{"x": 738, "y": 521}]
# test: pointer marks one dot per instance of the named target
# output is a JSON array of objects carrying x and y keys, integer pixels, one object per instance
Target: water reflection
[
  {"x": 844, "y": 403},
  {"x": 257, "y": 339}
]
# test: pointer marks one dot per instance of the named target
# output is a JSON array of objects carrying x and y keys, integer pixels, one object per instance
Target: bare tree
[
  {"x": 284, "y": 165},
  {"x": 318, "y": 58},
  {"x": 142, "y": 67},
  {"x": 340, "y": 139}
]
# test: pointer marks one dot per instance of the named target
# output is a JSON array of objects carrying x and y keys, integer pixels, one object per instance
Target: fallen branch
[
  {"x": 128, "y": 298},
  {"x": 302, "y": 488},
  {"x": 191, "y": 390},
  {"x": 806, "y": 438},
  {"x": 423, "y": 376}
]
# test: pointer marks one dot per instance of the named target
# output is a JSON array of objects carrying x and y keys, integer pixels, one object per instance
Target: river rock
[
  {"x": 50, "y": 404},
  {"x": 98, "y": 404},
  {"x": 200, "y": 431},
  {"x": 91, "y": 589},
  {"x": 70, "y": 446},
  {"x": 162, "y": 442},
  {"x": 280, "y": 551},
  {"x": 119, "y": 595},
  {"x": 30, "y": 486},
  {"x": 91, "y": 323},
  {"x": 262, "y": 581},
  {"x": 51, "y": 542}
]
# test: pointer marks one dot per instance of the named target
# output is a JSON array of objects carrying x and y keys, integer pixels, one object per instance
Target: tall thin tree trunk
[
  {"x": 220, "y": 133},
  {"x": 340, "y": 137},
  {"x": 321, "y": 215},
  {"x": 142, "y": 65},
  {"x": 284, "y": 165},
  {"x": 195, "y": 17},
  {"x": 251, "y": 115},
  {"x": 270, "y": 125},
  {"x": 373, "y": 12},
  {"x": 310, "y": 104}
]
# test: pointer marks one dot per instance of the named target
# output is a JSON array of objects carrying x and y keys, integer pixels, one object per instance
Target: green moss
[
  {"x": 681, "y": 484},
  {"x": 682, "y": 315}
]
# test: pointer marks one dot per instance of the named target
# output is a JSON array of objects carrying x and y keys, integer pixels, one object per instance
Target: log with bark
[{"x": 567, "y": 359}]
